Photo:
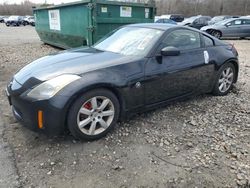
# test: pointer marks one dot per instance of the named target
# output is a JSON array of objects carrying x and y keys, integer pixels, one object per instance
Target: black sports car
[{"x": 133, "y": 69}]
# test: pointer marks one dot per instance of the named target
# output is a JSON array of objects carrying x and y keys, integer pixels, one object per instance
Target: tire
[
  {"x": 216, "y": 34},
  {"x": 94, "y": 120},
  {"x": 224, "y": 80}
]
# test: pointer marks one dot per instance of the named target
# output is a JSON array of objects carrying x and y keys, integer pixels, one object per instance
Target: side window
[
  {"x": 197, "y": 21},
  {"x": 207, "y": 20},
  {"x": 236, "y": 22},
  {"x": 183, "y": 39},
  {"x": 207, "y": 41},
  {"x": 246, "y": 22},
  {"x": 159, "y": 21},
  {"x": 165, "y": 21},
  {"x": 203, "y": 21}
]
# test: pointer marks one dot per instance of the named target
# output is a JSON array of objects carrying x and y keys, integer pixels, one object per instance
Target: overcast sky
[{"x": 37, "y": 1}]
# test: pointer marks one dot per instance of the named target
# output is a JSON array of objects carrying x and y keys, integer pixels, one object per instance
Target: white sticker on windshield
[{"x": 206, "y": 57}]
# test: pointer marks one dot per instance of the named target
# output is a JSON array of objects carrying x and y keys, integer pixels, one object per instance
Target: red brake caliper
[{"x": 88, "y": 106}]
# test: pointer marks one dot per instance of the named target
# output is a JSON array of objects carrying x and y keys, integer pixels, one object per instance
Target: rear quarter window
[
  {"x": 246, "y": 22},
  {"x": 208, "y": 42}
]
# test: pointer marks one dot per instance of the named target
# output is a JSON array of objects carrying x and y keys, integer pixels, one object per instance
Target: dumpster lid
[{"x": 146, "y": 3}]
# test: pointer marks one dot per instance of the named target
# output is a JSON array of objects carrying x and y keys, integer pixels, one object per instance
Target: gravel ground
[{"x": 201, "y": 142}]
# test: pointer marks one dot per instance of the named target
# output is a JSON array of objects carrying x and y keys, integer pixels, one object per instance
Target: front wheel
[
  {"x": 216, "y": 34},
  {"x": 224, "y": 80},
  {"x": 93, "y": 115}
]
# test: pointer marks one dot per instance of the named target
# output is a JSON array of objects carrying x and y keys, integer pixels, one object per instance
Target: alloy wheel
[
  {"x": 216, "y": 34},
  {"x": 95, "y": 115},
  {"x": 226, "y": 79}
]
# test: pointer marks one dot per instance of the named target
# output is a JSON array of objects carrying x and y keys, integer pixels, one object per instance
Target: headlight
[{"x": 48, "y": 89}]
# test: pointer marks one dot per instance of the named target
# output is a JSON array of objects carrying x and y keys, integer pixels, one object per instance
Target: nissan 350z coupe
[{"x": 133, "y": 69}]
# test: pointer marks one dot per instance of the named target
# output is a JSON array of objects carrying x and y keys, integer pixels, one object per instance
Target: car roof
[
  {"x": 232, "y": 19},
  {"x": 166, "y": 27},
  {"x": 163, "y": 26}
]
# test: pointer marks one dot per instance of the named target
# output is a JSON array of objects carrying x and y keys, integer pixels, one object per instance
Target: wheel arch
[
  {"x": 236, "y": 66},
  {"x": 210, "y": 30},
  {"x": 84, "y": 90}
]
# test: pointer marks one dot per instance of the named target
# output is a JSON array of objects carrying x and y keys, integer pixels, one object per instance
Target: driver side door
[{"x": 168, "y": 77}]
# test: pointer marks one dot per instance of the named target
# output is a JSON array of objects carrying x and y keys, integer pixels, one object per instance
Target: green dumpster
[{"x": 85, "y": 22}]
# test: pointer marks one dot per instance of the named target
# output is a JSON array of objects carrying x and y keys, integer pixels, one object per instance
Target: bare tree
[{"x": 203, "y": 7}]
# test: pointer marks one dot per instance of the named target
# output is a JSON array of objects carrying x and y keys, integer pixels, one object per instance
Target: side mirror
[
  {"x": 170, "y": 51},
  {"x": 229, "y": 24}
]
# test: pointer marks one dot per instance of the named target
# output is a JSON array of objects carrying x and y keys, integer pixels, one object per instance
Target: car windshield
[
  {"x": 217, "y": 18},
  {"x": 131, "y": 41}
]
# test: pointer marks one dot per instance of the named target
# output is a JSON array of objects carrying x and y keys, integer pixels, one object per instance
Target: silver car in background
[
  {"x": 220, "y": 18},
  {"x": 234, "y": 27}
]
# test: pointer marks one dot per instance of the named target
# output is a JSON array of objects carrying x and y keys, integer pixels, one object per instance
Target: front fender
[{"x": 118, "y": 81}]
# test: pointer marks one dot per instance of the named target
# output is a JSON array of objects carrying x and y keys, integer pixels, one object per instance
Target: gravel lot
[{"x": 202, "y": 142}]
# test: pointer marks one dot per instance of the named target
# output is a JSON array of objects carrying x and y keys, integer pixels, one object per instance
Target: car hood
[{"x": 77, "y": 61}]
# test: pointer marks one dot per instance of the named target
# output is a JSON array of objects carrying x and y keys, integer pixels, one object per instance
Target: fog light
[{"x": 40, "y": 119}]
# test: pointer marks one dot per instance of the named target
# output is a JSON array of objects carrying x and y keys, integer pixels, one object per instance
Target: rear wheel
[
  {"x": 224, "y": 80},
  {"x": 93, "y": 115}
]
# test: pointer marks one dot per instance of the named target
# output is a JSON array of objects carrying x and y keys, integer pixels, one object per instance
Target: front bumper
[{"x": 26, "y": 112}]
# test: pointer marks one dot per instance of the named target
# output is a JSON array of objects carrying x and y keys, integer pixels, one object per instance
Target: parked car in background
[
  {"x": 5, "y": 18},
  {"x": 1, "y": 19},
  {"x": 174, "y": 17},
  {"x": 27, "y": 20},
  {"x": 166, "y": 21},
  {"x": 196, "y": 21},
  {"x": 248, "y": 16},
  {"x": 32, "y": 21},
  {"x": 234, "y": 27},
  {"x": 136, "y": 68},
  {"x": 14, "y": 21},
  {"x": 220, "y": 18}
]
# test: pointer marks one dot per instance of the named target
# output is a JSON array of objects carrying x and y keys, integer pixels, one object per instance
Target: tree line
[
  {"x": 25, "y": 8},
  {"x": 203, "y": 7},
  {"x": 185, "y": 7}
]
